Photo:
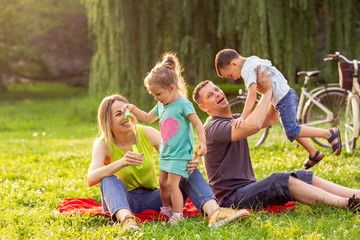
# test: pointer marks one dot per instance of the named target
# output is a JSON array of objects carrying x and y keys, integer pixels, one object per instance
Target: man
[{"x": 228, "y": 165}]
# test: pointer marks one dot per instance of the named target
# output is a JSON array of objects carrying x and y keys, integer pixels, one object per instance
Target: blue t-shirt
[
  {"x": 177, "y": 140},
  {"x": 280, "y": 86}
]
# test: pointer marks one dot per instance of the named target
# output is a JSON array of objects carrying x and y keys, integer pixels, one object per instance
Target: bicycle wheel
[
  {"x": 351, "y": 123},
  {"x": 333, "y": 99},
  {"x": 237, "y": 106}
]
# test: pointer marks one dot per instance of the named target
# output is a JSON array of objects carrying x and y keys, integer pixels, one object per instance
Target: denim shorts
[
  {"x": 287, "y": 108},
  {"x": 273, "y": 190}
]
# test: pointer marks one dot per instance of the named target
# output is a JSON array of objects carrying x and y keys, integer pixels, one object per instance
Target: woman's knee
[{"x": 109, "y": 180}]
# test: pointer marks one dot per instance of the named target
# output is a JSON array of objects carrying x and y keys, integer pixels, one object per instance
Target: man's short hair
[
  {"x": 198, "y": 87},
  {"x": 223, "y": 59}
]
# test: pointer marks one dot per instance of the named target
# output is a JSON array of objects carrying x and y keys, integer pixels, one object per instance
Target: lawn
[{"x": 45, "y": 151}]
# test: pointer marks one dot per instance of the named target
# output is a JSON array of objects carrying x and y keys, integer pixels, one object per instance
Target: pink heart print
[{"x": 168, "y": 129}]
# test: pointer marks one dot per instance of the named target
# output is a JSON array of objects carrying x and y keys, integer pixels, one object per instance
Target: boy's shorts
[{"x": 287, "y": 108}]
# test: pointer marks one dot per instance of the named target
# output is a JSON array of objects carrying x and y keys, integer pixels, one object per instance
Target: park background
[{"x": 58, "y": 59}]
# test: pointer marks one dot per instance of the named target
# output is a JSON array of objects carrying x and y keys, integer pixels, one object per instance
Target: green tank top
[{"x": 131, "y": 176}]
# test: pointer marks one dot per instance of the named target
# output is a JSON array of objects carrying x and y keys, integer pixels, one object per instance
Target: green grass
[
  {"x": 38, "y": 90},
  {"x": 45, "y": 151}
]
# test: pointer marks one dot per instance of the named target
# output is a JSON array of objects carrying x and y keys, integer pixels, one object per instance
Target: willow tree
[{"x": 131, "y": 35}]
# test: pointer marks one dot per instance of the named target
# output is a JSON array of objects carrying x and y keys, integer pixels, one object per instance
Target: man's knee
[{"x": 276, "y": 176}]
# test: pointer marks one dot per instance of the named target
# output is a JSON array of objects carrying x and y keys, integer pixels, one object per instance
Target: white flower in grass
[
  {"x": 43, "y": 133},
  {"x": 35, "y": 134}
]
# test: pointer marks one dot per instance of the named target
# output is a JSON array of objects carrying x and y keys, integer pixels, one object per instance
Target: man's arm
[
  {"x": 272, "y": 117},
  {"x": 254, "y": 122},
  {"x": 250, "y": 101}
]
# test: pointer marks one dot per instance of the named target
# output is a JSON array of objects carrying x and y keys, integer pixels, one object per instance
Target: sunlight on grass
[{"x": 45, "y": 151}]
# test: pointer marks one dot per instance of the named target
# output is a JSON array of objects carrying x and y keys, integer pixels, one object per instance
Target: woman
[{"x": 124, "y": 187}]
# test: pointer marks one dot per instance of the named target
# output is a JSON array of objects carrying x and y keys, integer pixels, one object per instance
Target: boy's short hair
[
  {"x": 197, "y": 89},
  {"x": 223, "y": 59}
]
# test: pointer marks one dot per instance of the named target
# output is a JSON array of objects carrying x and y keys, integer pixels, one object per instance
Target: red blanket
[{"x": 83, "y": 206}]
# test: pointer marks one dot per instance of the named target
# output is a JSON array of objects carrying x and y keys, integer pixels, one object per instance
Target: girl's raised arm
[{"x": 141, "y": 115}]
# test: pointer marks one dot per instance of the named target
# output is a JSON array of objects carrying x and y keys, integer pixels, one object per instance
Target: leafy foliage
[
  {"x": 295, "y": 35},
  {"x": 43, "y": 40}
]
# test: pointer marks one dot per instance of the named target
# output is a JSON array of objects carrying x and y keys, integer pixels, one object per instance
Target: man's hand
[{"x": 263, "y": 81}]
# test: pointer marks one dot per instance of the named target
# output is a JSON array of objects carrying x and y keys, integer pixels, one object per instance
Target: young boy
[{"x": 230, "y": 64}]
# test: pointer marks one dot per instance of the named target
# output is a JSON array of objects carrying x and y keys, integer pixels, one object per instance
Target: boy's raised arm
[{"x": 250, "y": 101}]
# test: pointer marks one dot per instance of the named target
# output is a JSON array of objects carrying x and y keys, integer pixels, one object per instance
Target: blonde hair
[
  {"x": 104, "y": 118},
  {"x": 167, "y": 72}
]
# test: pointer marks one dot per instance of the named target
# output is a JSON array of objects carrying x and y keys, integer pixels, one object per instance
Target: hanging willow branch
[{"x": 295, "y": 35}]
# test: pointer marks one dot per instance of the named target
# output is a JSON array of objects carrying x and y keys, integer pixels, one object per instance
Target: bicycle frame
[
  {"x": 355, "y": 91},
  {"x": 352, "y": 107},
  {"x": 309, "y": 95},
  {"x": 356, "y": 87}
]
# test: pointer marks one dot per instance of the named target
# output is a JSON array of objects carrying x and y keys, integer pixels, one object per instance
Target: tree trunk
[{"x": 3, "y": 87}]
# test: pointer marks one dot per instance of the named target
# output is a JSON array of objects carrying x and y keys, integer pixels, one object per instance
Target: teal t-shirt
[{"x": 177, "y": 141}]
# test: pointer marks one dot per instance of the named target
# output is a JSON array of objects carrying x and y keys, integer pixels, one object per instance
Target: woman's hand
[
  {"x": 131, "y": 158},
  {"x": 193, "y": 164}
]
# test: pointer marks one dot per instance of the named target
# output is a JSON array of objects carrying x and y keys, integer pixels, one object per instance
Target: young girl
[
  {"x": 230, "y": 64},
  {"x": 176, "y": 114}
]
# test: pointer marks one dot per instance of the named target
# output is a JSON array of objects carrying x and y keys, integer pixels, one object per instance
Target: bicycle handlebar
[
  {"x": 328, "y": 58},
  {"x": 337, "y": 55}
]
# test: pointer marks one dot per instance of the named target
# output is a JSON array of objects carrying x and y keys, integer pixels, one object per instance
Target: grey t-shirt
[{"x": 227, "y": 164}]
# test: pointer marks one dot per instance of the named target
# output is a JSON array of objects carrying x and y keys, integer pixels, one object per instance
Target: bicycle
[
  {"x": 322, "y": 109},
  {"x": 349, "y": 80}
]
